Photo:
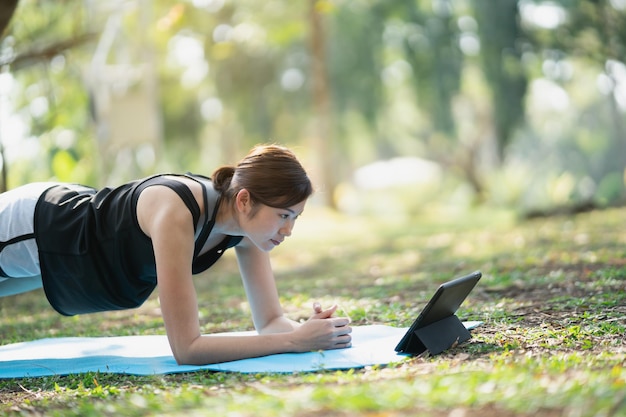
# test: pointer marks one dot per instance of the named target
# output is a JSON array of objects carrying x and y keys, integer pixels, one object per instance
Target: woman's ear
[{"x": 243, "y": 201}]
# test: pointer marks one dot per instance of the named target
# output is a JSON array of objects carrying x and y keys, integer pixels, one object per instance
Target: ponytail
[{"x": 222, "y": 178}]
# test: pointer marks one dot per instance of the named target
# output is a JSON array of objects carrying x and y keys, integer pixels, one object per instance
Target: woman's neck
[{"x": 226, "y": 221}]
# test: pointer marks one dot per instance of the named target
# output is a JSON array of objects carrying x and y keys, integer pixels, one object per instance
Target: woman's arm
[
  {"x": 258, "y": 281},
  {"x": 165, "y": 218},
  {"x": 260, "y": 285}
]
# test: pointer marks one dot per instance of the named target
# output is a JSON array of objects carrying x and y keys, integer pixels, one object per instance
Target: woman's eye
[{"x": 284, "y": 216}]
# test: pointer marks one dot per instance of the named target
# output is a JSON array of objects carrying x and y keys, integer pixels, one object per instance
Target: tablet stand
[{"x": 438, "y": 336}]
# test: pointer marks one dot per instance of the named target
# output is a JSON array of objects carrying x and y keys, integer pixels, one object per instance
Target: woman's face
[{"x": 267, "y": 226}]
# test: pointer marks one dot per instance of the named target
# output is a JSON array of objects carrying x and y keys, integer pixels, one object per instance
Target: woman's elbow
[
  {"x": 183, "y": 355},
  {"x": 193, "y": 357},
  {"x": 188, "y": 359},
  {"x": 180, "y": 357}
]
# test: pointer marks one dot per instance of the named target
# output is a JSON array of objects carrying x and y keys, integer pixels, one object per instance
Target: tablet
[{"x": 437, "y": 324}]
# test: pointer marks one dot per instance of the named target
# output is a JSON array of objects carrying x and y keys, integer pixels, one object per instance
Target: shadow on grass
[{"x": 550, "y": 286}]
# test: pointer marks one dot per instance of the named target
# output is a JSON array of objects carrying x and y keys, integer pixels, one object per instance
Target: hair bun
[{"x": 222, "y": 177}]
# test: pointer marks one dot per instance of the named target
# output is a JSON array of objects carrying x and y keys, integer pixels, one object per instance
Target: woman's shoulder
[
  {"x": 169, "y": 189},
  {"x": 193, "y": 181},
  {"x": 175, "y": 182}
]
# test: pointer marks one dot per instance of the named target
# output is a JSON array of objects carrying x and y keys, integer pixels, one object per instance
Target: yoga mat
[{"x": 151, "y": 355}]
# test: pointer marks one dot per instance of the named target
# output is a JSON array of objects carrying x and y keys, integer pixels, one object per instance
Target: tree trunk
[
  {"x": 7, "y": 8},
  {"x": 322, "y": 136}
]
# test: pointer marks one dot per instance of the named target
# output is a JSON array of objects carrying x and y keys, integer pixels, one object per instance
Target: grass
[{"x": 553, "y": 299}]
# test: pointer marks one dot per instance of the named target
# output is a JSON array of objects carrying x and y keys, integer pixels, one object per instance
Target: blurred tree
[
  {"x": 32, "y": 49},
  {"x": 7, "y": 8},
  {"x": 433, "y": 51},
  {"x": 122, "y": 82},
  {"x": 501, "y": 40},
  {"x": 250, "y": 75},
  {"x": 593, "y": 34},
  {"x": 371, "y": 40},
  {"x": 323, "y": 140},
  {"x": 369, "y": 79},
  {"x": 355, "y": 65}
]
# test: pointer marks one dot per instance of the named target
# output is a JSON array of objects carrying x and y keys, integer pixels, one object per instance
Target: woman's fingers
[
  {"x": 326, "y": 332},
  {"x": 342, "y": 341},
  {"x": 341, "y": 322},
  {"x": 343, "y": 338},
  {"x": 319, "y": 313},
  {"x": 317, "y": 308}
]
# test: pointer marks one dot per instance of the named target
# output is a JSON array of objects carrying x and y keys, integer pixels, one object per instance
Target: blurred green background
[{"x": 394, "y": 106}]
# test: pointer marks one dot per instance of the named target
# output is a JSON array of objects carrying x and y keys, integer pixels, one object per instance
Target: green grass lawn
[{"x": 553, "y": 299}]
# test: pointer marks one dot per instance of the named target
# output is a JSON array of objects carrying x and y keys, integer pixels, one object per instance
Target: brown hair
[{"x": 271, "y": 174}]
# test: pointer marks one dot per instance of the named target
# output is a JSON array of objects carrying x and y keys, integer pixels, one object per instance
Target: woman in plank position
[{"x": 107, "y": 250}]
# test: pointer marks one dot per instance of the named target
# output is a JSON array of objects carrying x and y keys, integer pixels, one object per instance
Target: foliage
[
  {"x": 433, "y": 52},
  {"x": 502, "y": 39},
  {"x": 526, "y": 89},
  {"x": 552, "y": 301}
]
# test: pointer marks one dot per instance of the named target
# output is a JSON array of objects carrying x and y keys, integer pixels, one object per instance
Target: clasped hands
[{"x": 327, "y": 332}]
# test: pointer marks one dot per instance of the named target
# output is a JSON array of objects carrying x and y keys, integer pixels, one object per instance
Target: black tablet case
[{"x": 437, "y": 328}]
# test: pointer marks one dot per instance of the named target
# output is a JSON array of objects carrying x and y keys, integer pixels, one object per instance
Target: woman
[{"x": 107, "y": 250}]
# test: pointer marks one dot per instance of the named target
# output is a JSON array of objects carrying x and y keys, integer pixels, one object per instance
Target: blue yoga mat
[{"x": 151, "y": 355}]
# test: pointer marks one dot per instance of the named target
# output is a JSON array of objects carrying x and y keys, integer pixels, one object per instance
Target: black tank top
[{"x": 92, "y": 252}]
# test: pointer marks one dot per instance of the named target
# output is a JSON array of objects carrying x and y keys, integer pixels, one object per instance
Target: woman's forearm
[
  {"x": 314, "y": 334},
  {"x": 210, "y": 349}
]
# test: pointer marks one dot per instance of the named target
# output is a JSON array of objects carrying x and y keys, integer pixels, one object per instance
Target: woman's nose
[{"x": 287, "y": 228}]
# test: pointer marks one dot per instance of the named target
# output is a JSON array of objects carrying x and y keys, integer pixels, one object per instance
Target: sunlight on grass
[{"x": 552, "y": 300}]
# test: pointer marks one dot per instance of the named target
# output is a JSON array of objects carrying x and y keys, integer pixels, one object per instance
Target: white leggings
[{"x": 12, "y": 286}]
